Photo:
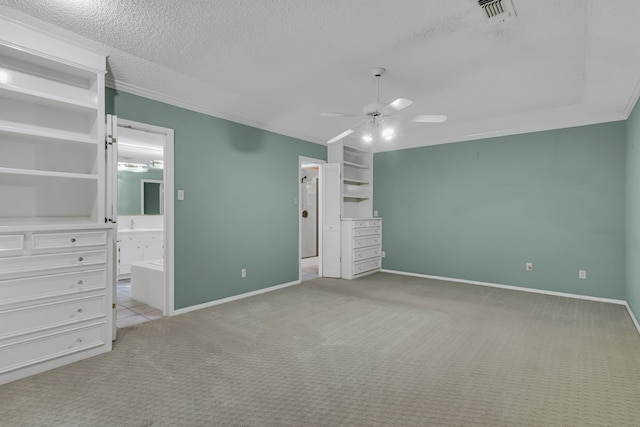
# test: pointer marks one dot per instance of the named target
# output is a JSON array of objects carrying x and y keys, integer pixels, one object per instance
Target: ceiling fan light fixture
[{"x": 376, "y": 114}]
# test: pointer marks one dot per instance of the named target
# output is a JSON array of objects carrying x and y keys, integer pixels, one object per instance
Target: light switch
[{"x": 180, "y": 194}]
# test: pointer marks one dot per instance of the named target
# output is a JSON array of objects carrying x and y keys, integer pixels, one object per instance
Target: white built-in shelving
[
  {"x": 361, "y": 234},
  {"x": 357, "y": 177},
  {"x": 56, "y": 252},
  {"x": 51, "y": 129}
]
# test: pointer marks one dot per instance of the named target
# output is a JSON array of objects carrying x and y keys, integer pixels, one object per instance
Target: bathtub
[{"x": 147, "y": 283}]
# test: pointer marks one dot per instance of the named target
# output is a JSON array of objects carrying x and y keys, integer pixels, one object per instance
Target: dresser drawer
[
  {"x": 17, "y": 290},
  {"x": 366, "y": 253},
  {"x": 29, "y": 264},
  {"x": 364, "y": 266},
  {"x": 375, "y": 223},
  {"x": 27, "y": 352},
  {"x": 11, "y": 243},
  {"x": 362, "y": 242},
  {"x": 44, "y": 316},
  {"x": 360, "y": 224},
  {"x": 366, "y": 232},
  {"x": 69, "y": 240}
]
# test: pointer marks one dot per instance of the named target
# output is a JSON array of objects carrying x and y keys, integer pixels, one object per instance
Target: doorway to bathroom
[
  {"x": 309, "y": 217},
  {"x": 141, "y": 177}
]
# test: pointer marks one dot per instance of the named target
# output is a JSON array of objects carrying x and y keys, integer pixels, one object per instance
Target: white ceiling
[{"x": 278, "y": 64}]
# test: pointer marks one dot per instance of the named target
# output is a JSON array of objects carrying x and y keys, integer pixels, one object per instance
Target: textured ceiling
[{"x": 278, "y": 64}]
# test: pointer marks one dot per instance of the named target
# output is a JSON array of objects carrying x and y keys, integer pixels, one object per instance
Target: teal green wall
[
  {"x": 129, "y": 190},
  {"x": 479, "y": 210},
  {"x": 633, "y": 211},
  {"x": 240, "y": 184}
]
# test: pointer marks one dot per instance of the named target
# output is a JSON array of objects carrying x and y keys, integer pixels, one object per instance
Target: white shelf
[
  {"x": 352, "y": 181},
  {"x": 47, "y": 223},
  {"x": 356, "y": 197},
  {"x": 48, "y": 174},
  {"x": 46, "y": 99},
  {"x": 43, "y": 133},
  {"x": 356, "y": 165},
  {"x": 55, "y": 65}
]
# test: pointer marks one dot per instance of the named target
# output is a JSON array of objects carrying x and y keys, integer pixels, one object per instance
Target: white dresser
[
  {"x": 56, "y": 242},
  {"x": 361, "y": 246},
  {"x": 55, "y": 297}
]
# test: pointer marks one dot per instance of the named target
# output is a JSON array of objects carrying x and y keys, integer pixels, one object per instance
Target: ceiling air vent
[{"x": 497, "y": 10}]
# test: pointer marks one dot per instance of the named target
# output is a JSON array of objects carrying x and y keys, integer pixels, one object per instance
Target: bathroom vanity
[{"x": 137, "y": 245}]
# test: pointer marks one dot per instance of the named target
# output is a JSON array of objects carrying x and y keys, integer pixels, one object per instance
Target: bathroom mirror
[
  {"x": 140, "y": 172},
  {"x": 132, "y": 192},
  {"x": 152, "y": 196}
]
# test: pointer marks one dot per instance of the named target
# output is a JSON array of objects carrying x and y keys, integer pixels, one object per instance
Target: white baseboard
[
  {"x": 514, "y": 288},
  {"x": 633, "y": 317},
  {"x": 233, "y": 298}
]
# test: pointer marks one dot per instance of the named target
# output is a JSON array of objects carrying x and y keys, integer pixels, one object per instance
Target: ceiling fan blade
[
  {"x": 429, "y": 118},
  {"x": 330, "y": 114},
  {"x": 395, "y": 106},
  {"x": 339, "y": 137}
]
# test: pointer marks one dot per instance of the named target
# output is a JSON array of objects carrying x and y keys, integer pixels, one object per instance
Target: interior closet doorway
[
  {"x": 142, "y": 193},
  {"x": 309, "y": 218}
]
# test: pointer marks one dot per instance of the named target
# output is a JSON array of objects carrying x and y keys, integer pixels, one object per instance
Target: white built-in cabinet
[
  {"x": 56, "y": 249},
  {"x": 360, "y": 232},
  {"x": 356, "y": 167}
]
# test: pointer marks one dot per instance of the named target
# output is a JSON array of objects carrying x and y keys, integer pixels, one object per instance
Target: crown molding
[
  {"x": 519, "y": 130},
  {"x": 179, "y": 102}
]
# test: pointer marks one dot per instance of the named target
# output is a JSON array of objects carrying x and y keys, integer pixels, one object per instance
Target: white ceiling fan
[{"x": 377, "y": 112}]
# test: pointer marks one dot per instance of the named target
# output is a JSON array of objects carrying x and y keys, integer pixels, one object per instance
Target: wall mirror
[
  {"x": 140, "y": 172},
  {"x": 152, "y": 196}
]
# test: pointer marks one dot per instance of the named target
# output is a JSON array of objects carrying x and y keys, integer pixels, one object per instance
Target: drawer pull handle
[
  {"x": 79, "y": 310},
  {"x": 73, "y": 240},
  {"x": 80, "y": 259},
  {"x": 80, "y": 282},
  {"x": 79, "y": 340}
]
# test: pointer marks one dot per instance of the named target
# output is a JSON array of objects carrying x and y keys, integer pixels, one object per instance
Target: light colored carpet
[{"x": 384, "y": 350}]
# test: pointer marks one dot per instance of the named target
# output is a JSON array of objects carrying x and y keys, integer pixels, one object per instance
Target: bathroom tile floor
[
  {"x": 130, "y": 311},
  {"x": 309, "y": 273}
]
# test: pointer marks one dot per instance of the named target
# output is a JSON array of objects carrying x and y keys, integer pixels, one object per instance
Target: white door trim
[
  {"x": 301, "y": 160},
  {"x": 169, "y": 211}
]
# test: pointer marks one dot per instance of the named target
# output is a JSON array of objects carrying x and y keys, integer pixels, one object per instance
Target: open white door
[
  {"x": 331, "y": 243},
  {"x": 111, "y": 214}
]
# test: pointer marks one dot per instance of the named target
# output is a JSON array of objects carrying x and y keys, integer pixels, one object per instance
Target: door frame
[
  {"x": 305, "y": 160},
  {"x": 169, "y": 206}
]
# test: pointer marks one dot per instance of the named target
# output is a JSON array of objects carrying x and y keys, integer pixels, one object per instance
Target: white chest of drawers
[
  {"x": 362, "y": 242},
  {"x": 55, "y": 297}
]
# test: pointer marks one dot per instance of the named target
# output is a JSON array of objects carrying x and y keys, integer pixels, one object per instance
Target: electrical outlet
[
  {"x": 375, "y": 213},
  {"x": 243, "y": 273},
  {"x": 382, "y": 254},
  {"x": 528, "y": 266},
  {"x": 180, "y": 194},
  {"x": 582, "y": 274}
]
